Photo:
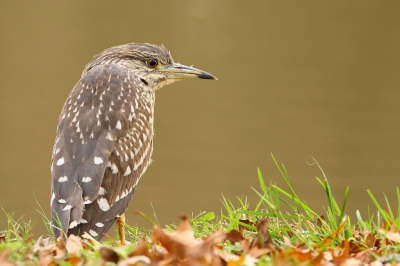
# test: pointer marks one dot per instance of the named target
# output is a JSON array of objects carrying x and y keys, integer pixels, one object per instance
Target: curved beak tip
[{"x": 207, "y": 76}]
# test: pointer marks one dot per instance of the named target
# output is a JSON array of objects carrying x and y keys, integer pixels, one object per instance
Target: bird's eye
[{"x": 152, "y": 63}]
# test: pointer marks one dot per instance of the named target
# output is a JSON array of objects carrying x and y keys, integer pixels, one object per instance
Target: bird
[{"x": 104, "y": 137}]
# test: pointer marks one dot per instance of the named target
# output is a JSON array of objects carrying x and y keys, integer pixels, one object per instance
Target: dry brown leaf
[
  {"x": 376, "y": 263},
  {"x": 60, "y": 243},
  {"x": 194, "y": 262},
  {"x": 177, "y": 242},
  {"x": 370, "y": 240},
  {"x": 136, "y": 260},
  {"x": 142, "y": 249},
  {"x": 365, "y": 256},
  {"x": 340, "y": 256},
  {"x": 243, "y": 260},
  {"x": 93, "y": 241},
  {"x": 261, "y": 244},
  {"x": 48, "y": 252},
  {"x": 258, "y": 252},
  {"x": 287, "y": 242},
  {"x": 209, "y": 243},
  {"x": 327, "y": 241},
  {"x": 74, "y": 244},
  {"x": 302, "y": 255},
  {"x": 183, "y": 246},
  {"x": 41, "y": 243},
  {"x": 58, "y": 250},
  {"x": 317, "y": 260},
  {"x": 318, "y": 221},
  {"x": 356, "y": 235},
  {"x": 395, "y": 237},
  {"x": 228, "y": 256},
  {"x": 4, "y": 261},
  {"x": 245, "y": 244},
  {"x": 234, "y": 236},
  {"x": 355, "y": 247},
  {"x": 281, "y": 260},
  {"x": 241, "y": 227},
  {"x": 108, "y": 254},
  {"x": 351, "y": 262},
  {"x": 263, "y": 238},
  {"x": 74, "y": 260},
  {"x": 46, "y": 255},
  {"x": 217, "y": 261}
]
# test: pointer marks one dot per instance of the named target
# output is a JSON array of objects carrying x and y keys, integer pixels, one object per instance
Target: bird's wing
[
  {"x": 128, "y": 161},
  {"x": 93, "y": 126}
]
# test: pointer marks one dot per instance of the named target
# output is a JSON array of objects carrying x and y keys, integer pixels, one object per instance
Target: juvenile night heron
[{"x": 105, "y": 135}]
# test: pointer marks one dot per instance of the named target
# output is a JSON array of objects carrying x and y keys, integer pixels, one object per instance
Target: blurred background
[{"x": 296, "y": 79}]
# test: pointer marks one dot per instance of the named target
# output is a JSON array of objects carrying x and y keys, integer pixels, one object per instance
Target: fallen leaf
[
  {"x": 207, "y": 249},
  {"x": 364, "y": 256},
  {"x": 376, "y": 263},
  {"x": 41, "y": 243},
  {"x": 343, "y": 254},
  {"x": 263, "y": 238},
  {"x": 258, "y": 252},
  {"x": 94, "y": 242},
  {"x": 74, "y": 244},
  {"x": 108, "y": 255},
  {"x": 395, "y": 237},
  {"x": 74, "y": 260},
  {"x": 248, "y": 222},
  {"x": 245, "y": 244},
  {"x": 136, "y": 260},
  {"x": 287, "y": 242},
  {"x": 317, "y": 260},
  {"x": 143, "y": 250},
  {"x": 355, "y": 247},
  {"x": 58, "y": 250},
  {"x": 183, "y": 246},
  {"x": 350, "y": 262},
  {"x": 238, "y": 262},
  {"x": 319, "y": 221},
  {"x": 370, "y": 240},
  {"x": 327, "y": 241},
  {"x": 46, "y": 255},
  {"x": 234, "y": 236},
  {"x": 4, "y": 254},
  {"x": 301, "y": 255},
  {"x": 61, "y": 243},
  {"x": 227, "y": 257}
]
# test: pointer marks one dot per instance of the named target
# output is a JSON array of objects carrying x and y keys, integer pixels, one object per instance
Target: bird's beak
[{"x": 178, "y": 71}]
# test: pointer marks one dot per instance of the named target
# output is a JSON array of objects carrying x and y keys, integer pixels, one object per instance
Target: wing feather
[
  {"x": 91, "y": 125},
  {"x": 128, "y": 161}
]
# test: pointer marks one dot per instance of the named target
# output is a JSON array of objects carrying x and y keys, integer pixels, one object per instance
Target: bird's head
[{"x": 153, "y": 64}]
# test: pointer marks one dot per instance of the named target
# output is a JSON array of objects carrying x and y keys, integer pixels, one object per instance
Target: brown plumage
[{"x": 105, "y": 135}]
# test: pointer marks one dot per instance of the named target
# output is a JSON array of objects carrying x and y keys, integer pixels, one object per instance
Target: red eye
[{"x": 152, "y": 63}]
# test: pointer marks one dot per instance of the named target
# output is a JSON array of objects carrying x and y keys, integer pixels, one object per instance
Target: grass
[{"x": 296, "y": 234}]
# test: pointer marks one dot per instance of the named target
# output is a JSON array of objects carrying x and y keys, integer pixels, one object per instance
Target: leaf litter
[
  {"x": 264, "y": 236},
  {"x": 181, "y": 247}
]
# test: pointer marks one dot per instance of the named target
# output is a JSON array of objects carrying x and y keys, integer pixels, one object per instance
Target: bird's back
[{"x": 103, "y": 146}]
